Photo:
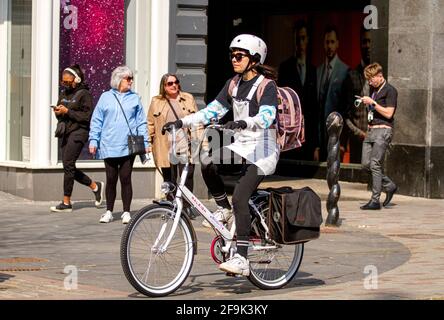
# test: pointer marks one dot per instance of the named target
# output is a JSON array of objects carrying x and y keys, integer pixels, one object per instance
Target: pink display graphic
[{"x": 92, "y": 34}]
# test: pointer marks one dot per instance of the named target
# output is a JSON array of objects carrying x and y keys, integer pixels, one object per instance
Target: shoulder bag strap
[
  {"x": 254, "y": 87},
  {"x": 237, "y": 80},
  {"x": 172, "y": 108},
  {"x": 121, "y": 108}
]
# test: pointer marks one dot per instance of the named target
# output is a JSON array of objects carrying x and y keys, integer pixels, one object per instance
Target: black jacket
[{"x": 80, "y": 108}]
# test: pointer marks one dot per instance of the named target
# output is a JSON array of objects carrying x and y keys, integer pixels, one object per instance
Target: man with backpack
[{"x": 254, "y": 141}]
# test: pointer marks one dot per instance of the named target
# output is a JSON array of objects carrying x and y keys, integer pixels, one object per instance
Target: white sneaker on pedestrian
[
  {"x": 126, "y": 217},
  {"x": 221, "y": 214},
  {"x": 236, "y": 265},
  {"x": 107, "y": 217}
]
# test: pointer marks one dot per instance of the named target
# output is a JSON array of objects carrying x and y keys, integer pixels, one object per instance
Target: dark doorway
[{"x": 274, "y": 21}]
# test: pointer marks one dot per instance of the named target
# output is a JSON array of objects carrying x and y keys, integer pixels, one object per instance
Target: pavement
[{"x": 393, "y": 254}]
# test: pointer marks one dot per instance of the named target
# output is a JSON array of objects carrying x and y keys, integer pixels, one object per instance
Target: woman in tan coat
[{"x": 170, "y": 105}]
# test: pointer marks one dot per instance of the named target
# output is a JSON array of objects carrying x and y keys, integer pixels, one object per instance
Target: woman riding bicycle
[{"x": 255, "y": 142}]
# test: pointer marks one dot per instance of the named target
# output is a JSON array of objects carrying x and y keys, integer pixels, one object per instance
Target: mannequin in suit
[
  {"x": 330, "y": 78},
  {"x": 357, "y": 85},
  {"x": 298, "y": 73}
]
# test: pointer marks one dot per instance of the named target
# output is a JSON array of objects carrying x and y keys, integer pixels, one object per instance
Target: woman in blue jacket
[{"x": 108, "y": 138}]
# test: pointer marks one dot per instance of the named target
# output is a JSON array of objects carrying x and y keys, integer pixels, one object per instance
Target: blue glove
[{"x": 233, "y": 125}]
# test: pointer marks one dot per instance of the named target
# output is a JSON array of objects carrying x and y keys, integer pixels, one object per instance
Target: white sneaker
[
  {"x": 221, "y": 214},
  {"x": 107, "y": 217},
  {"x": 126, "y": 217},
  {"x": 236, "y": 265}
]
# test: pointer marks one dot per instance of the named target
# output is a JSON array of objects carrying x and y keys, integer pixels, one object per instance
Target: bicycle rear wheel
[
  {"x": 275, "y": 267},
  {"x": 150, "y": 271}
]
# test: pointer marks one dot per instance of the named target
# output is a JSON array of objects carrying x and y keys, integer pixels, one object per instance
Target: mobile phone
[{"x": 53, "y": 107}]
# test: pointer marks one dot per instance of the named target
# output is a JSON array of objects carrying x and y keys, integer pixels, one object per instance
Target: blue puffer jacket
[{"x": 109, "y": 130}]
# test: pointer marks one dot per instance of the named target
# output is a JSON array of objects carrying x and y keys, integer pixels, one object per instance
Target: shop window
[
  {"x": 19, "y": 79},
  {"x": 92, "y": 34},
  {"x": 359, "y": 32}
]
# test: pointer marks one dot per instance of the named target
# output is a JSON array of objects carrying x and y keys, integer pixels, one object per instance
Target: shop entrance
[{"x": 275, "y": 22}]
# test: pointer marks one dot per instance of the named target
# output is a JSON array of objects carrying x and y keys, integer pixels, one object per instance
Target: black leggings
[
  {"x": 72, "y": 146},
  {"x": 119, "y": 168},
  {"x": 247, "y": 184}
]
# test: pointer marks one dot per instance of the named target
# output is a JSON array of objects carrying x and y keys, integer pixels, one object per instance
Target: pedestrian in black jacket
[{"x": 74, "y": 108}]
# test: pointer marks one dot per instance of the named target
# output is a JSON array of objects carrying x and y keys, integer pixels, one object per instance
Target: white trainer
[
  {"x": 107, "y": 217},
  {"x": 221, "y": 214},
  {"x": 236, "y": 265},
  {"x": 126, "y": 217}
]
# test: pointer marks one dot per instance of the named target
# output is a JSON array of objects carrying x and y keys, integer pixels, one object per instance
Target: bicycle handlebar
[{"x": 173, "y": 130}]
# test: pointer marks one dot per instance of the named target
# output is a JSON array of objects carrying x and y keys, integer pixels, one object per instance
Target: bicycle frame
[{"x": 183, "y": 191}]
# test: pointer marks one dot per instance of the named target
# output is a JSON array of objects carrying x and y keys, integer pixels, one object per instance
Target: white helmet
[{"x": 254, "y": 45}]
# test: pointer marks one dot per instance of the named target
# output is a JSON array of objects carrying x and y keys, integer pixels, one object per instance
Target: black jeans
[
  {"x": 119, "y": 168},
  {"x": 72, "y": 146},
  {"x": 246, "y": 185}
]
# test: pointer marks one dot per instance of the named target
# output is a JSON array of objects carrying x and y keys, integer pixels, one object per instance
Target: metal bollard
[{"x": 334, "y": 124}]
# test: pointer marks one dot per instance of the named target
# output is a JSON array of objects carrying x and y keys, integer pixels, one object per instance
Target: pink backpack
[{"x": 290, "y": 120}]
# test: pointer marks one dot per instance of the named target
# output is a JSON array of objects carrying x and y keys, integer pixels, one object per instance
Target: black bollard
[{"x": 334, "y": 124}]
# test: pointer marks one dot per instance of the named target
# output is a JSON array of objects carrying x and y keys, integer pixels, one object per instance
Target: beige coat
[{"x": 158, "y": 114}]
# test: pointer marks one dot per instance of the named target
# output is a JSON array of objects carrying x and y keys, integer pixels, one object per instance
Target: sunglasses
[
  {"x": 238, "y": 56},
  {"x": 170, "y": 83},
  {"x": 129, "y": 79}
]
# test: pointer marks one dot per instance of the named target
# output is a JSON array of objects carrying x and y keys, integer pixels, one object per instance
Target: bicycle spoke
[{"x": 153, "y": 267}]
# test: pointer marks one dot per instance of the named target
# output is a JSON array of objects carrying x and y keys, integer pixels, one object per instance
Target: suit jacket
[
  {"x": 356, "y": 118},
  {"x": 289, "y": 77},
  {"x": 333, "y": 99}
]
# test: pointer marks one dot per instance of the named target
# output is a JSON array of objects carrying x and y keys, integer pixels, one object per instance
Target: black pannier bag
[{"x": 294, "y": 215}]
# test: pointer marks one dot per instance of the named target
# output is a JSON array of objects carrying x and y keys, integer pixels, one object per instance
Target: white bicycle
[{"x": 159, "y": 243}]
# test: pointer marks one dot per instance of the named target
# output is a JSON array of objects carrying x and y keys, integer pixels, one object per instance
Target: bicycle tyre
[
  {"x": 274, "y": 276},
  {"x": 260, "y": 280},
  {"x": 156, "y": 281}
]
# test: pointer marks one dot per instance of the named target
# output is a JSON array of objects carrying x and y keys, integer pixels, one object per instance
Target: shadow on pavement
[
  {"x": 233, "y": 286},
  {"x": 5, "y": 277},
  {"x": 87, "y": 204}
]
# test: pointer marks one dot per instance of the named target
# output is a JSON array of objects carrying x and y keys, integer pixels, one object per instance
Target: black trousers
[
  {"x": 119, "y": 168},
  {"x": 173, "y": 173},
  {"x": 72, "y": 146},
  {"x": 246, "y": 185}
]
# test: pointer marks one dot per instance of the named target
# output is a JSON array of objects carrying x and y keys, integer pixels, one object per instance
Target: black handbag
[
  {"x": 136, "y": 144},
  {"x": 60, "y": 129}
]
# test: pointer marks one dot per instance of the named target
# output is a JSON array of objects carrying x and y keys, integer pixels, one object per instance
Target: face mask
[{"x": 67, "y": 87}]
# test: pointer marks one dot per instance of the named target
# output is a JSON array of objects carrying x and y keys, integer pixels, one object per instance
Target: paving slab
[{"x": 401, "y": 245}]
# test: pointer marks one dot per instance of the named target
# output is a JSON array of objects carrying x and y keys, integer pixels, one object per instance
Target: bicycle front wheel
[{"x": 151, "y": 270}]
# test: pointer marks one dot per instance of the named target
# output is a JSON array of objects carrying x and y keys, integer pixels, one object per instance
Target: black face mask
[{"x": 67, "y": 88}]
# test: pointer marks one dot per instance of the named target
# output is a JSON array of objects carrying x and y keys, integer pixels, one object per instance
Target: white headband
[{"x": 73, "y": 72}]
